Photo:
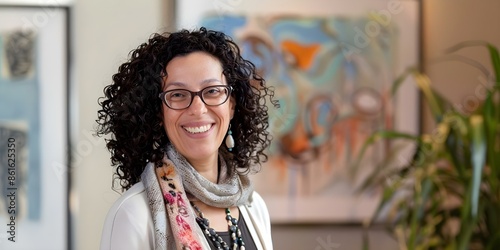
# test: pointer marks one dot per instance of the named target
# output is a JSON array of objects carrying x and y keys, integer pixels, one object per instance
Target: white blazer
[{"x": 129, "y": 223}]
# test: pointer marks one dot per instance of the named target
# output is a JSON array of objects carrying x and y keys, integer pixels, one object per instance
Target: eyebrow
[{"x": 181, "y": 84}]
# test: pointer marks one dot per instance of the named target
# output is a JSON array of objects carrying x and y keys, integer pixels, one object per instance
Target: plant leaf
[
  {"x": 478, "y": 159},
  {"x": 495, "y": 61},
  {"x": 435, "y": 102},
  {"x": 375, "y": 137},
  {"x": 494, "y": 242},
  {"x": 465, "y": 44},
  {"x": 465, "y": 60},
  {"x": 491, "y": 124},
  {"x": 397, "y": 83}
]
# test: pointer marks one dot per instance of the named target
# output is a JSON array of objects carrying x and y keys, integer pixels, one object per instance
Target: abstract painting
[{"x": 332, "y": 65}]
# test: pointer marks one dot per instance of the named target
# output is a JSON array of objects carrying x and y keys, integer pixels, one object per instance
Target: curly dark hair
[{"x": 132, "y": 112}]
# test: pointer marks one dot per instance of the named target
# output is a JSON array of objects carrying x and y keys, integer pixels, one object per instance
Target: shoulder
[
  {"x": 257, "y": 203},
  {"x": 133, "y": 201},
  {"x": 257, "y": 209},
  {"x": 259, "y": 221},
  {"x": 129, "y": 222}
]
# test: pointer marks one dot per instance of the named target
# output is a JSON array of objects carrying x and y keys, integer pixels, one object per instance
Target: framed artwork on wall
[
  {"x": 332, "y": 64},
  {"x": 34, "y": 127}
]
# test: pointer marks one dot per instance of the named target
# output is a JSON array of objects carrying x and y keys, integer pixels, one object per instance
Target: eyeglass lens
[{"x": 211, "y": 96}]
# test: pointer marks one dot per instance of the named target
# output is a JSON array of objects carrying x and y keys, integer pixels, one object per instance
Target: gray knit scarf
[{"x": 168, "y": 188}]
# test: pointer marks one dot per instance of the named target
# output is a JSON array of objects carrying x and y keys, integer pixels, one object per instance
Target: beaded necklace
[{"x": 219, "y": 243}]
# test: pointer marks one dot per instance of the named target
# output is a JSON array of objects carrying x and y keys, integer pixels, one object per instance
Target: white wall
[
  {"x": 446, "y": 23},
  {"x": 103, "y": 33}
]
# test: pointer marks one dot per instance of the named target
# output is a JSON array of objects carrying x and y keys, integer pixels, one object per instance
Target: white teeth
[{"x": 194, "y": 130}]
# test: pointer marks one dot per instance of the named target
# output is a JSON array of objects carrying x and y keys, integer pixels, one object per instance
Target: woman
[{"x": 187, "y": 117}]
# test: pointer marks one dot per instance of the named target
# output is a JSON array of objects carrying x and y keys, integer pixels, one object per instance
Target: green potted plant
[{"x": 447, "y": 196}]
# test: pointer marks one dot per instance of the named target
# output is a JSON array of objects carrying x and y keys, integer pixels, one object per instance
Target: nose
[{"x": 197, "y": 107}]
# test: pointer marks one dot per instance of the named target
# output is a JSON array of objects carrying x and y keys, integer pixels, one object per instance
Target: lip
[{"x": 197, "y": 125}]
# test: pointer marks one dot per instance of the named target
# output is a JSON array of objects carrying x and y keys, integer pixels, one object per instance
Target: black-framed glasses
[{"x": 182, "y": 98}]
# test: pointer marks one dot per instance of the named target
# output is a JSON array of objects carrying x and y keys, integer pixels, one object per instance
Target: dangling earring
[{"x": 229, "y": 139}]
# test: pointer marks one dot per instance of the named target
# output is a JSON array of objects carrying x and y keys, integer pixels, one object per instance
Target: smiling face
[{"x": 197, "y": 131}]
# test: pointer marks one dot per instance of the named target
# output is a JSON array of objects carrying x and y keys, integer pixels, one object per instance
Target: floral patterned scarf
[{"x": 168, "y": 188}]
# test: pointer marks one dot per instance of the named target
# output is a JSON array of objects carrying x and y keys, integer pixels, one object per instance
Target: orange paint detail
[
  {"x": 283, "y": 170},
  {"x": 304, "y": 54},
  {"x": 296, "y": 142}
]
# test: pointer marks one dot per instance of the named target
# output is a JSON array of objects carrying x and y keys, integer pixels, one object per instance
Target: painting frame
[
  {"x": 51, "y": 69},
  {"x": 349, "y": 210}
]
